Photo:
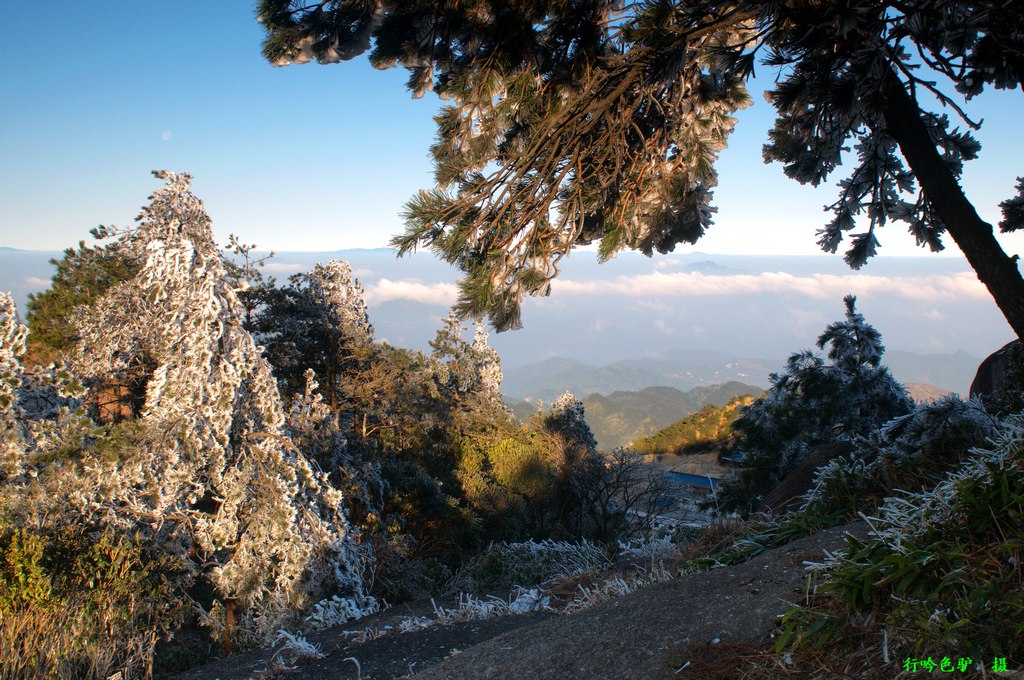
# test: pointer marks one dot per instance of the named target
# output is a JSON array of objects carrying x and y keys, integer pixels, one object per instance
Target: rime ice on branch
[
  {"x": 12, "y": 346},
  {"x": 218, "y": 479}
]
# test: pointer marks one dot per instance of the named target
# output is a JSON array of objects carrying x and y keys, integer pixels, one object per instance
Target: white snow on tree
[
  {"x": 213, "y": 480},
  {"x": 487, "y": 363},
  {"x": 567, "y": 418},
  {"x": 12, "y": 346},
  {"x": 814, "y": 402},
  {"x": 334, "y": 287},
  {"x": 466, "y": 371},
  {"x": 319, "y": 320}
]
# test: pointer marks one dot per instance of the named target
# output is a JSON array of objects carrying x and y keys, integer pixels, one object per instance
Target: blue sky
[{"x": 95, "y": 95}]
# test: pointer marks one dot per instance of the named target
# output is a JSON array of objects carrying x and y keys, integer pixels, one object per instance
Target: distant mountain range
[{"x": 685, "y": 369}]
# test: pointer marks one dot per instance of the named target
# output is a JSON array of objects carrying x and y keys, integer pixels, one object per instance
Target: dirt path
[
  {"x": 642, "y": 635},
  {"x": 646, "y": 634}
]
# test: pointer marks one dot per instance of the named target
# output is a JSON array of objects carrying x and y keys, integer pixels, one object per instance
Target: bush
[
  {"x": 911, "y": 452},
  {"x": 942, "y": 570},
  {"x": 77, "y": 605},
  {"x": 505, "y": 565}
]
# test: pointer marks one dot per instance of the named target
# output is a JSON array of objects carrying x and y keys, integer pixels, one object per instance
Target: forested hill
[
  {"x": 709, "y": 427},
  {"x": 623, "y": 417}
]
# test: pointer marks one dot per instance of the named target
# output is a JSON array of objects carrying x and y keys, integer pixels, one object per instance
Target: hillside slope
[
  {"x": 652, "y": 632},
  {"x": 709, "y": 428},
  {"x": 624, "y": 417}
]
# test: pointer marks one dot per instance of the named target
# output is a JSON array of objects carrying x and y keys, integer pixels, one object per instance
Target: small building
[
  {"x": 700, "y": 485},
  {"x": 734, "y": 458}
]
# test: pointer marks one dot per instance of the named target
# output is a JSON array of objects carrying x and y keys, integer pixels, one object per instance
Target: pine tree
[
  {"x": 318, "y": 321},
  {"x": 567, "y": 418},
  {"x": 813, "y": 402},
  {"x": 595, "y": 120},
  {"x": 81, "y": 276},
  {"x": 466, "y": 375}
]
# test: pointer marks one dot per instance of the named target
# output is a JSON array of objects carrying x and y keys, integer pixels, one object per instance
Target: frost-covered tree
[
  {"x": 205, "y": 474},
  {"x": 318, "y": 321},
  {"x": 466, "y": 375},
  {"x": 244, "y": 270},
  {"x": 12, "y": 346},
  {"x": 80, "y": 277},
  {"x": 567, "y": 418},
  {"x": 813, "y": 402}
]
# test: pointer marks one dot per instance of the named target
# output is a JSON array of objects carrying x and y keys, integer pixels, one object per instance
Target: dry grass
[
  {"x": 720, "y": 535},
  {"x": 64, "y": 642}
]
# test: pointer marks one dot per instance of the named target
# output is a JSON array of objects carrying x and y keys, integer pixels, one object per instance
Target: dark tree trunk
[{"x": 972, "y": 234}]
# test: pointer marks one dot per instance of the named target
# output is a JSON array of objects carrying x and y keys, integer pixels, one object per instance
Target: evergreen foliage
[
  {"x": 941, "y": 569},
  {"x": 814, "y": 402},
  {"x": 81, "y": 277},
  {"x": 567, "y": 418},
  {"x": 595, "y": 120},
  {"x": 911, "y": 452},
  {"x": 319, "y": 322}
]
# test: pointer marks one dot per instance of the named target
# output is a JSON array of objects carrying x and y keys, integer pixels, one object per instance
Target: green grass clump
[{"x": 941, "y": 573}]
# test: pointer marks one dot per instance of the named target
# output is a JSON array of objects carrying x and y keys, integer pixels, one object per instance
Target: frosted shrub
[
  {"x": 941, "y": 567},
  {"x": 534, "y": 562},
  {"x": 337, "y": 610},
  {"x": 649, "y": 547},
  {"x": 914, "y": 515},
  {"x": 947, "y": 423},
  {"x": 614, "y": 587},
  {"x": 903, "y": 453},
  {"x": 295, "y": 650},
  {"x": 471, "y": 608}
]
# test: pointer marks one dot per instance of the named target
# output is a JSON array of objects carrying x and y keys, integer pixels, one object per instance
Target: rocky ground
[{"x": 660, "y": 631}]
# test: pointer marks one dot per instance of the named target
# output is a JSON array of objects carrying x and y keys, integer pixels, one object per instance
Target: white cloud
[
  {"x": 37, "y": 281},
  {"x": 427, "y": 293},
  {"x": 933, "y": 315},
  {"x": 284, "y": 267},
  {"x": 818, "y": 286}
]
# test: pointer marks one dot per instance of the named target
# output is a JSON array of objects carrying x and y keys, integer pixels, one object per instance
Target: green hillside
[
  {"x": 624, "y": 417},
  {"x": 710, "y": 426}
]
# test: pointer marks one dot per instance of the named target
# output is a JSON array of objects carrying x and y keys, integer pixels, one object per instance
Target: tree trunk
[{"x": 972, "y": 234}]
